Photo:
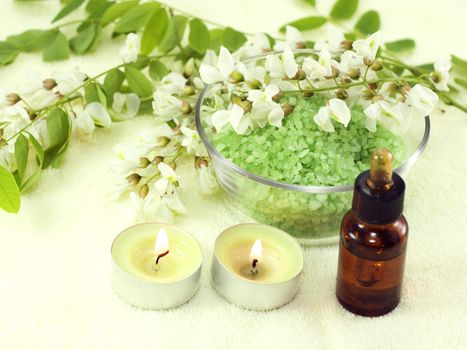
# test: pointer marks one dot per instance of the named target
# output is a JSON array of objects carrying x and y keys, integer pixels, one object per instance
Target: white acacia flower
[
  {"x": 125, "y": 106},
  {"x": 258, "y": 45},
  {"x": 7, "y": 157},
  {"x": 99, "y": 114},
  {"x": 31, "y": 82},
  {"x": 286, "y": 66},
  {"x": 129, "y": 52},
  {"x": 224, "y": 68},
  {"x": 169, "y": 206},
  {"x": 422, "y": 99},
  {"x": 173, "y": 83},
  {"x": 128, "y": 159},
  {"x": 166, "y": 106},
  {"x": 84, "y": 124},
  {"x": 41, "y": 99},
  {"x": 235, "y": 116},
  {"x": 192, "y": 142},
  {"x": 293, "y": 39},
  {"x": 207, "y": 181},
  {"x": 367, "y": 48},
  {"x": 264, "y": 109},
  {"x": 337, "y": 110},
  {"x": 16, "y": 118},
  {"x": 350, "y": 60},
  {"x": 155, "y": 138},
  {"x": 373, "y": 113},
  {"x": 333, "y": 38},
  {"x": 440, "y": 77},
  {"x": 40, "y": 132},
  {"x": 142, "y": 207},
  {"x": 210, "y": 58},
  {"x": 167, "y": 183},
  {"x": 320, "y": 69},
  {"x": 67, "y": 81}
]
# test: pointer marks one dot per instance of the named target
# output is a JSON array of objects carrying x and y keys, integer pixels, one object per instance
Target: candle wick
[
  {"x": 254, "y": 268},
  {"x": 161, "y": 256}
]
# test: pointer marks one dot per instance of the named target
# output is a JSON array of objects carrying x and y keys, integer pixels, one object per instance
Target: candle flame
[
  {"x": 256, "y": 250},
  {"x": 162, "y": 242}
]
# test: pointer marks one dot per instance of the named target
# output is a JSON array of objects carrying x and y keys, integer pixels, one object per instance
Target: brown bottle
[{"x": 373, "y": 241}]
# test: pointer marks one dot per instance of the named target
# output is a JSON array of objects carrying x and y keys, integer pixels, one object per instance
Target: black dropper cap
[{"x": 378, "y": 196}]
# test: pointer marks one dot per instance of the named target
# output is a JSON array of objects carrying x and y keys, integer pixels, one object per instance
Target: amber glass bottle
[{"x": 373, "y": 241}]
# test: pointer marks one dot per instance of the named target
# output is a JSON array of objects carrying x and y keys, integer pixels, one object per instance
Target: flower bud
[
  {"x": 254, "y": 84},
  {"x": 173, "y": 165},
  {"x": 236, "y": 77},
  {"x": 49, "y": 84},
  {"x": 277, "y": 96},
  {"x": 144, "y": 162},
  {"x": 354, "y": 73},
  {"x": 436, "y": 77},
  {"x": 376, "y": 66},
  {"x": 300, "y": 75},
  {"x": 235, "y": 99},
  {"x": 373, "y": 86},
  {"x": 12, "y": 98},
  {"x": 246, "y": 105},
  {"x": 133, "y": 179},
  {"x": 300, "y": 45},
  {"x": 143, "y": 191},
  {"x": 162, "y": 141},
  {"x": 157, "y": 160},
  {"x": 287, "y": 108},
  {"x": 376, "y": 98},
  {"x": 368, "y": 62},
  {"x": 188, "y": 90},
  {"x": 189, "y": 67},
  {"x": 335, "y": 73},
  {"x": 32, "y": 115},
  {"x": 405, "y": 88},
  {"x": 346, "y": 44},
  {"x": 368, "y": 94},
  {"x": 186, "y": 108},
  {"x": 308, "y": 94},
  {"x": 342, "y": 94},
  {"x": 200, "y": 162}
]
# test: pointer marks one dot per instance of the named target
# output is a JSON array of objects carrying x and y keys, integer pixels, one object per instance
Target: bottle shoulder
[{"x": 374, "y": 241}]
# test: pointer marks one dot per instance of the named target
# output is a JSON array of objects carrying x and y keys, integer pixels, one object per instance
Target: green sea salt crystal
[{"x": 301, "y": 153}]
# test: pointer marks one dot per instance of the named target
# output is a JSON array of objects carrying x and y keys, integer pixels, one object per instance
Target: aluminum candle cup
[
  {"x": 257, "y": 267},
  {"x": 155, "y": 266}
]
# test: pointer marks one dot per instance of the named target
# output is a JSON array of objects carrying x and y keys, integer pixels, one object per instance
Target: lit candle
[
  {"x": 155, "y": 266},
  {"x": 256, "y": 266}
]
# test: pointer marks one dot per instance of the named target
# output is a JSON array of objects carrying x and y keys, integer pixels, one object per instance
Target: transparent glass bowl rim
[{"x": 402, "y": 169}]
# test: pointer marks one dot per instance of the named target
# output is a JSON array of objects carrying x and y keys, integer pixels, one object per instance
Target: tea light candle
[
  {"x": 155, "y": 266},
  {"x": 256, "y": 266}
]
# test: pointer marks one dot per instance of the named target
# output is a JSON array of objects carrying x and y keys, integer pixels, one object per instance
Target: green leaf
[
  {"x": 67, "y": 9},
  {"x": 459, "y": 64},
  {"x": 31, "y": 40},
  {"x": 21, "y": 155},
  {"x": 344, "y": 9},
  {"x": 199, "y": 37},
  {"x": 307, "y": 23},
  {"x": 135, "y": 18},
  {"x": 217, "y": 35},
  {"x": 400, "y": 45},
  {"x": 40, "y": 160},
  {"x": 94, "y": 5},
  {"x": 157, "y": 70},
  {"x": 311, "y": 2},
  {"x": 10, "y": 199},
  {"x": 368, "y": 23},
  {"x": 116, "y": 11},
  {"x": 58, "y": 49},
  {"x": 112, "y": 82},
  {"x": 174, "y": 33},
  {"x": 82, "y": 42},
  {"x": 138, "y": 82},
  {"x": 461, "y": 82},
  {"x": 154, "y": 31},
  {"x": 8, "y": 53},
  {"x": 59, "y": 128},
  {"x": 233, "y": 39},
  {"x": 94, "y": 93}
]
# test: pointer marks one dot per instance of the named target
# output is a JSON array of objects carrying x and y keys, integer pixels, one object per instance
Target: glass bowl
[{"x": 310, "y": 213}]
